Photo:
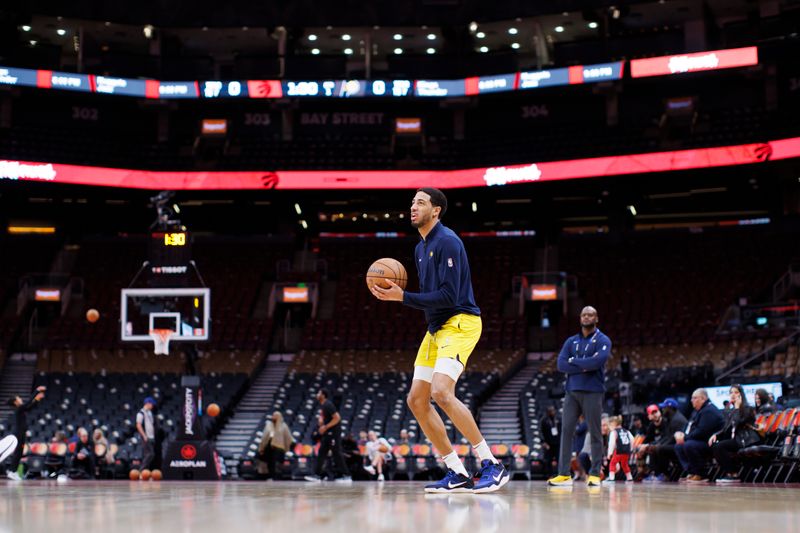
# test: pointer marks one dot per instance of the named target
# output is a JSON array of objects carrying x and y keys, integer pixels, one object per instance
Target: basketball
[
  {"x": 145, "y": 475},
  {"x": 134, "y": 474},
  {"x": 92, "y": 315},
  {"x": 386, "y": 268},
  {"x": 155, "y": 475},
  {"x": 212, "y": 409}
]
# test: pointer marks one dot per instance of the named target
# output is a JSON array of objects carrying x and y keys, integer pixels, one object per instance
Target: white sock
[
  {"x": 454, "y": 463},
  {"x": 484, "y": 453}
]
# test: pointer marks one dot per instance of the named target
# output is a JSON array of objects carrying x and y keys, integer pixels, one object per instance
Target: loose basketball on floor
[
  {"x": 92, "y": 315},
  {"x": 386, "y": 268},
  {"x": 156, "y": 475},
  {"x": 212, "y": 409},
  {"x": 134, "y": 474},
  {"x": 145, "y": 475}
]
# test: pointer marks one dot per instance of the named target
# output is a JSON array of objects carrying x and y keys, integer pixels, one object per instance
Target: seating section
[{"x": 110, "y": 401}]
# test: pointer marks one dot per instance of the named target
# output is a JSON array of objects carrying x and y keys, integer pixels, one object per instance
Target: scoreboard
[{"x": 170, "y": 252}]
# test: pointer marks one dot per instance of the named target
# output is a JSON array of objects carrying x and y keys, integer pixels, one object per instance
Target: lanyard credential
[{"x": 590, "y": 342}]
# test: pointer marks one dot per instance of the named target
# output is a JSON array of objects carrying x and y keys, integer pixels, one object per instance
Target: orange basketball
[
  {"x": 387, "y": 268},
  {"x": 212, "y": 409},
  {"x": 155, "y": 475},
  {"x": 92, "y": 315},
  {"x": 134, "y": 474},
  {"x": 145, "y": 475}
]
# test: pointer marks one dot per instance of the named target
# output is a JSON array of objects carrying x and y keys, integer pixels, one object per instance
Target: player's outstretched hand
[{"x": 393, "y": 294}]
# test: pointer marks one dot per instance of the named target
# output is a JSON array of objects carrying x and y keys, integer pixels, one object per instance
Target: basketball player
[
  {"x": 21, "y": 409},
  {"x": 454, "y": 327}
]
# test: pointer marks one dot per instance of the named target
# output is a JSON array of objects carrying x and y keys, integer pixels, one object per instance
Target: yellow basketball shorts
[{"x": 455, "y": 340}]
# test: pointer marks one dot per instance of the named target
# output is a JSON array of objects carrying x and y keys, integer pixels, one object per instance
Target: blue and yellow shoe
[
  {"x": 492, "y": 477},
  {"x": 451, "y": 483}
]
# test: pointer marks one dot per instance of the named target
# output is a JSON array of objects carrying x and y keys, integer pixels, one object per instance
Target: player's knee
[
  {"x": 417, "y": 402},
  {"x": 442, "y": 396}
]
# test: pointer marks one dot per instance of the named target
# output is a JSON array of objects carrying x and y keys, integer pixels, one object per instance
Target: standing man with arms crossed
[
  {"x": 583, "y": 359},
  {"x": 454, "y": 328},
  {"x": 146, "y": 427}
]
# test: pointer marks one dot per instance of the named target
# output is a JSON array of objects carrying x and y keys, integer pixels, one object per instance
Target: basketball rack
[{"x": 161, "y": 339}]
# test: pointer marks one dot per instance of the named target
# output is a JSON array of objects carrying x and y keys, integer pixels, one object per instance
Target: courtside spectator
[
  {"x": 585, "y": 459},
  {"x": 82, "y": 466},
  {"x": 101, "y": 444},
  {"x": 620, "y": 441},
  {"x": 403, "y": 438},
  {"x": 378, "y": 454},
  {"x": 739, "y": 432},
  {"x": 275, "y": 442},
  {"x": 659, "y": 442},
  {"x": 353, "y": 458},
  {"x": 551, "y": 439},
  {"x": 763, "y": 404},
  {"x": 691, "y": 445}
]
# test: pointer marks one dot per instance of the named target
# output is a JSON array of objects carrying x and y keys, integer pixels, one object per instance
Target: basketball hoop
[{"x": 161, "y": 340}]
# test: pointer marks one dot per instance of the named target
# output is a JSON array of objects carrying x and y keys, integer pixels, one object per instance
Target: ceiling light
[
  {"x": 346, "y": 37},
  {"x": 513, "y": 31},
  {"x": 592, "y": 25},
  {"x": 312, "y": 37},
  {"x": 398, "y": 37},
  {"x": 315, "y": 51},
  {"x": 348, "y": 51},
  {"x": 26, "y": 28},
  {"x": 33, "y": 42},
  {"x": 61, "y": 31},
  {"x": 559, "y": 29},
  {"x": 431, "y": 50},
  {"x": 484, "y": 49},
  {"x": 515, "y": 46},
  {"x": 431, "y": 36},
  {"x": 480, "y": 35},
  {"x": 632, "y": 210},
  {"x": 297, "y": 209},
  {"x": 304, "y": 224},
  {"x": 473, "y": 27},
  {"x": 474, "y": 207},
  {"x": 398, "y": 51}
]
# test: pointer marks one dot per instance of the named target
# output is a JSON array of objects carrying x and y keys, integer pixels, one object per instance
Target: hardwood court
[{"x": 295, "y": 507}]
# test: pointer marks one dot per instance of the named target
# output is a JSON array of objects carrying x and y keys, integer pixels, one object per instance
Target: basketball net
[{"x": 161, "y": 340}]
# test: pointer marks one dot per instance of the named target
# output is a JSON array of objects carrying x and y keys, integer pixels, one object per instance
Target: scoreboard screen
[{"x": 170, "y": 252}]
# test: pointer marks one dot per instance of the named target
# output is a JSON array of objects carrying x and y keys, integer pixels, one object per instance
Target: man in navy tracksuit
[
  {"x": 582, "y": 359},
  {"x": 691, "y": 445}
]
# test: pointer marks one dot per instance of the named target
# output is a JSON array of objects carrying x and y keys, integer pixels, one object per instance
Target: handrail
[{"x": 786, "y": 340}]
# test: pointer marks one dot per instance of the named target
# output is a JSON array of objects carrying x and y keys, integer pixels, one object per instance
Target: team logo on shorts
[{"x": 450, "y": 262}]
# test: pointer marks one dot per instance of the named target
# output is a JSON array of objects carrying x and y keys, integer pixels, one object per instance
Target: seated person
[
  {"x": 403, "y": 438},
  {"x": 764, "y": 406},
  {"x": 353, "y": 458},
  {"x": 82, "y": 466},
  {"x": 691, "y": 445},
  {"x": 658, "y": 448},
  {"x": 739, "y": 432},
  {"x": 378, "y": 453},
  {"x": 103, "y": 451}
]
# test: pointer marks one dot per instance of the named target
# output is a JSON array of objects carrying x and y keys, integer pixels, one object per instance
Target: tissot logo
[{"x": 188, "y": 452}]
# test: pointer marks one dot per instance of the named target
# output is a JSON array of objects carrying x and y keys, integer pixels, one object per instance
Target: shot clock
[{"x": 170, "y": 253}]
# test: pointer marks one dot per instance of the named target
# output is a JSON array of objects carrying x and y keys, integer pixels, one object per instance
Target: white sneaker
[
  {"x": 381, "y": 478},
  {"x": 13, "y": 476},
  {"x": 313, "y": 479},
  {"x": 370, "y": 470},
  {"x": 343, "y": 479}
]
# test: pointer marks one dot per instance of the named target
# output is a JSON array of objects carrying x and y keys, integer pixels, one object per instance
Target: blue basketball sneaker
[
  {"x": 451, "y": 483},
  {"x": 492, "y": 477}
]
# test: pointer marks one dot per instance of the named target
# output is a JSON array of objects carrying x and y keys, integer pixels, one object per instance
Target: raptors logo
[
  {"x": 188, "y": 452},
  {"x": 270, "y": 180},
  {"x": 762, "y": 152}
]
